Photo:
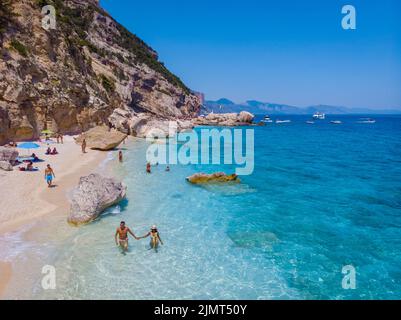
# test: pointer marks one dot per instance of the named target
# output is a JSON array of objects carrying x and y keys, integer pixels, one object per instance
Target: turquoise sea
[{"x": 321, "y": 197}]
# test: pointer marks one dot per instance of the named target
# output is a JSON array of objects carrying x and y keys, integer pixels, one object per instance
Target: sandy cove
[{"x": 26, "y": 197}]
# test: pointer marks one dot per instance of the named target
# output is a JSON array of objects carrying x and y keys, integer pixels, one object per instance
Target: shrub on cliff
[
  {"x": 19, "y": 47},
  {"x": 107, "y": 83}
]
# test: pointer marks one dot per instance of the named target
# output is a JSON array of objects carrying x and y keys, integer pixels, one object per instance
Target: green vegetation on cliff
[
  {"x": 18, "y": 46},
  {"x": 79, "y": 21}
]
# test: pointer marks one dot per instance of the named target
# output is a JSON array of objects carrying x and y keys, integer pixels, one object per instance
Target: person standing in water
[
  {"x": 120, "y": 156},
  {"x": 121, "y": 236},
  {"x": 83, "y": 146},
  {"x": 148, "y": 170},
  {"x": 49, "y": 174},
  {"x": 154, "y": 238}
]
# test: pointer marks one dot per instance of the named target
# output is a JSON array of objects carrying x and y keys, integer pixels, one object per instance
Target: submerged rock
[
  {"x": 102, "y": 138},
  {"x": 256, "y": 239},
  {"x": 93, "y": 195},
  {"x": 218, "y": 177}
]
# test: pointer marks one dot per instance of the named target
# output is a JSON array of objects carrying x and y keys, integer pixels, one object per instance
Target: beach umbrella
[
  {"x": 28, "y": 145},
  {"x": 47, "y": 132}
]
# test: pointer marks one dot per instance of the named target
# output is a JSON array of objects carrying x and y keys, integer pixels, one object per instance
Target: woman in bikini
[{"x": 154, "y": 238}]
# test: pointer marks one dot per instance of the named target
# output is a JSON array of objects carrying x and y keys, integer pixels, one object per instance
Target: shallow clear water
[{"x": 321, "y": 197}]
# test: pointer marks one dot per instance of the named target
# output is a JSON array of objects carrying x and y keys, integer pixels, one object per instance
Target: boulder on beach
[
  {"x": 218, "y": 177},
  {"x": 9, "y": 155},
  {"x": 102, "y": 138},
  {"x": 6, "y": 166},
  {"x": 92, "y": 196}
]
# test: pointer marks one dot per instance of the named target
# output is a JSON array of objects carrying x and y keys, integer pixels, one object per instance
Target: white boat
[
  {"x": 283, "y": 121},
  {"x": 319, "y": 116},
  {"x": 336, "y": 122},
  {"x": 366, "y": 120},
  {"x": 310, "y": 122},
  {"x": 267, "y": 119}
]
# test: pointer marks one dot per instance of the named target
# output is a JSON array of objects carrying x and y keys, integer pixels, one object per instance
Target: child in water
[{"x": 154, "y": 238}]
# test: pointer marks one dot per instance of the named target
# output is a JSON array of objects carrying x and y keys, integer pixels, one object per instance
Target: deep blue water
[{"x": 321, "y": 197}]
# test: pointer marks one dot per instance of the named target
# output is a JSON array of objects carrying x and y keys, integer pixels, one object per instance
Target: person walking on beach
[
  {"x": 121, "y": 236},
  {"x": 120, "y": 156},
  {"x": 83, "y": 145},
  {"x": 49, "y": 174},
  {"x": 154, "y": 238},
  {"x": 148, "y": 168}
]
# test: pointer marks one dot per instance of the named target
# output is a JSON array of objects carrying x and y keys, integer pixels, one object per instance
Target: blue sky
[{"x": 286, "y": 51}]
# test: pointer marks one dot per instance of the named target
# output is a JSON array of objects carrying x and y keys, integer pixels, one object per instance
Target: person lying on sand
[
  {"x": 154, "y": 237},
  {"x": 29, "y": 166},
  {"x": 35, "y": 157},
  {"x": 49, "y": 174},
  {"x": 122, "y": 233}
]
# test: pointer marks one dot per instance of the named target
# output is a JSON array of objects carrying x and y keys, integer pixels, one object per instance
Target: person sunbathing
[
  {"x": 48, "y": 151},
  {"x": 29, "y": 166},
  {"x": 35, "y": 158},
  {"x": 54, "y": 152}
]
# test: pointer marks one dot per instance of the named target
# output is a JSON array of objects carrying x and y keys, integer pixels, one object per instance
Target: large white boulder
[{"x": 93, "y": 195}]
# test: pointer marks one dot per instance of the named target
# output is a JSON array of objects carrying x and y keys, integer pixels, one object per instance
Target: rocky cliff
[{"x": 74, "y": 77}]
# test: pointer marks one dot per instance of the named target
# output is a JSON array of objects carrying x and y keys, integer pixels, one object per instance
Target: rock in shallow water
[
  {"x": 219, "y": 177},
  {"x": 93, "y": 195}
]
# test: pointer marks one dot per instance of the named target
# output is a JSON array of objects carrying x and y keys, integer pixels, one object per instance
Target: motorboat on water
[
  {"x": 366, "y": 120},
  {"x": 336, "y": 122},
  {"x": 310, "y": 122},
  {"x": 319, "y": 116},
  {"x": 267, "y": 119},
  {"x": 283, "y": 121}
]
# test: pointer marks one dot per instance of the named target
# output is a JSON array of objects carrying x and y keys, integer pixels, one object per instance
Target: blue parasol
[{"x": 28, "y": 145}]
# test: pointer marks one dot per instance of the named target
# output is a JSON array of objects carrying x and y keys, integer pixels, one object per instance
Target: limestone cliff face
[{"x": 73, "y": 78}]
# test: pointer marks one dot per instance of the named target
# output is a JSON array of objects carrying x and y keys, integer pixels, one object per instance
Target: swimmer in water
[
  {"x": 154, "y": 238},
  {"x": 122, "y": 233}
]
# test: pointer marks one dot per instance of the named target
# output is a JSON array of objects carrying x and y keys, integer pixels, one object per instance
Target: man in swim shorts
[
  {"x": 49, "y": 174},
  {"x": 122, "y": 233}
]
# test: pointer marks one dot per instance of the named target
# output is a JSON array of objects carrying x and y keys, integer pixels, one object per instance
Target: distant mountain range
[{"x": 257, "y": 107}]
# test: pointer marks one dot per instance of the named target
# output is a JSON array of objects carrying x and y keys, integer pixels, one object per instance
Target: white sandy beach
[{"x": 26, "y": 197}]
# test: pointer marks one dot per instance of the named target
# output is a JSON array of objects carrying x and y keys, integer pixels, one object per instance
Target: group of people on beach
[{"x": 121, "y": 237}]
